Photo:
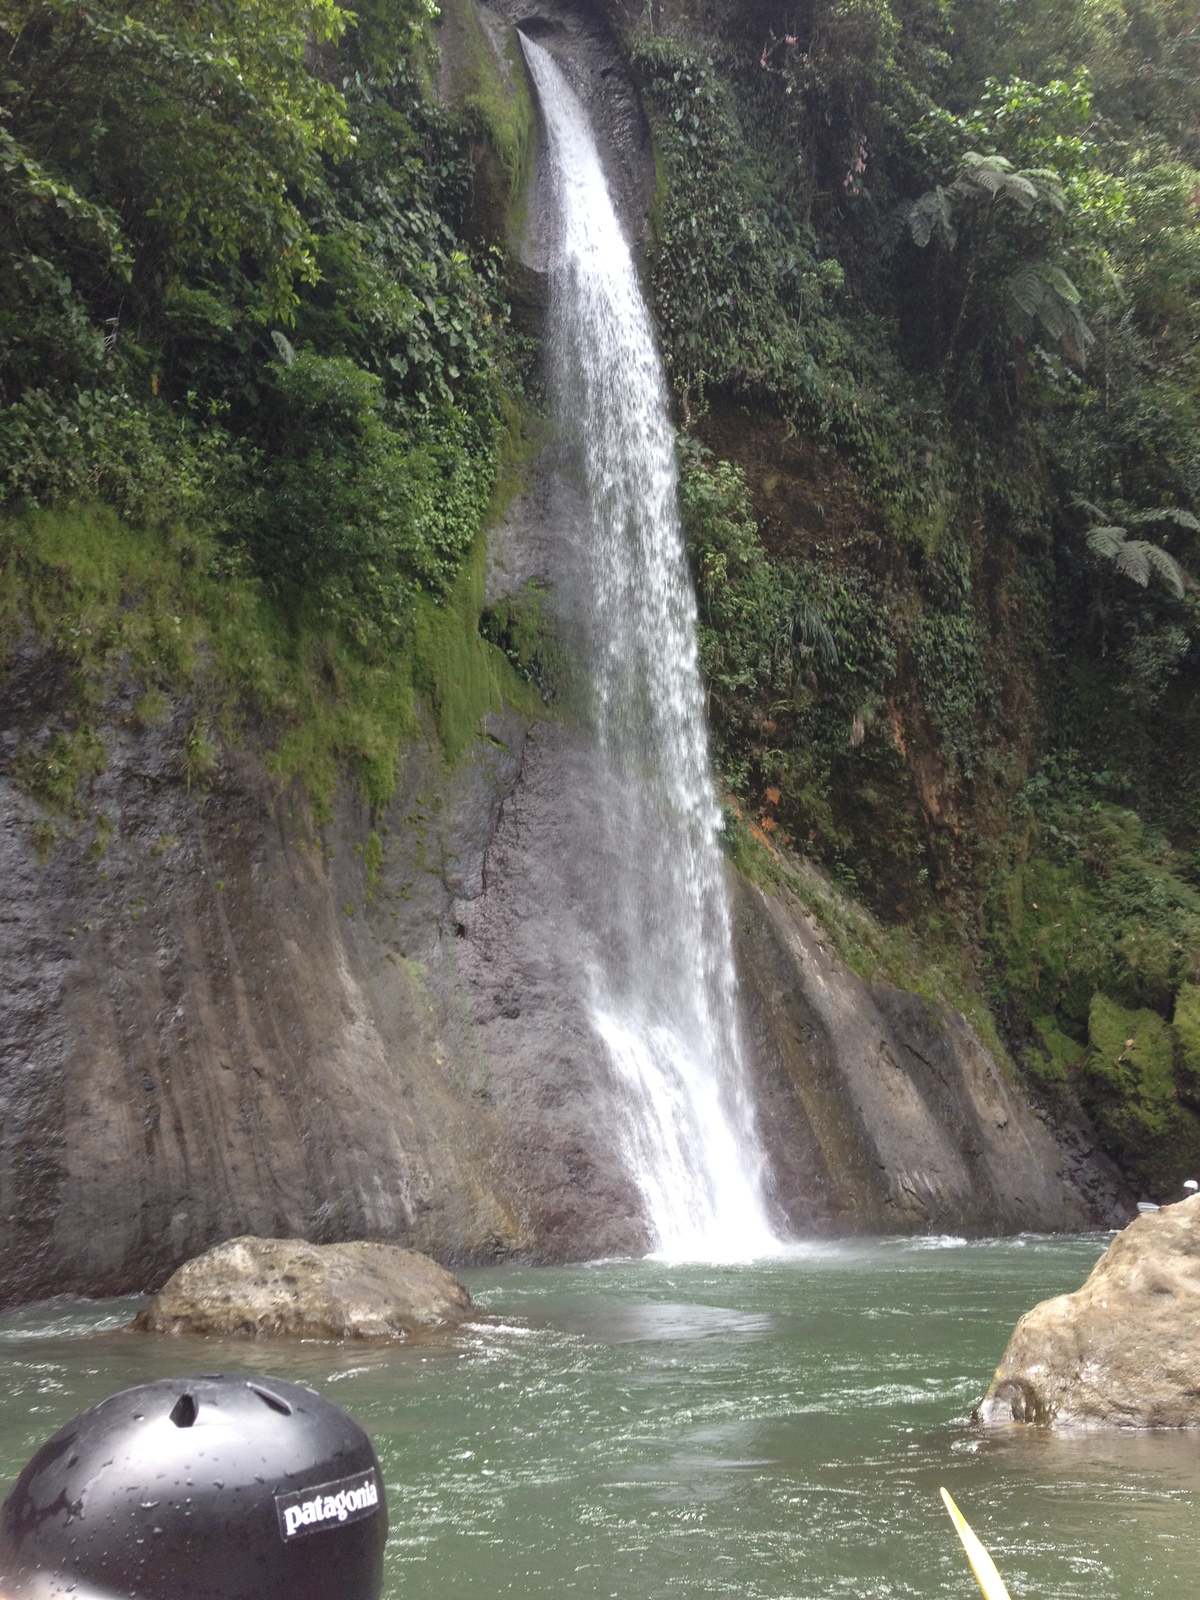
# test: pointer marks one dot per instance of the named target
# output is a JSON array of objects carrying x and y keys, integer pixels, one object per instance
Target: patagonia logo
[{"x": 327, "y": 1505}]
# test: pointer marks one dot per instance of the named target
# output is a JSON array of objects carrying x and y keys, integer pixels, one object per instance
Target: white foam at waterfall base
[{"x": 663, "y": 987}]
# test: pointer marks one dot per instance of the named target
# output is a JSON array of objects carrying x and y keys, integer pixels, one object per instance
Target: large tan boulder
[
  {"x": 288, "y": 1287},
  {"x": 1124, "y": 1350}
]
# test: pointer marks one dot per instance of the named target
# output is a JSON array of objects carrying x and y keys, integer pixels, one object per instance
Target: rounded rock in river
[
  {"x": 290, "y": 1288},
  {"x": 1124, "y": 1350}
]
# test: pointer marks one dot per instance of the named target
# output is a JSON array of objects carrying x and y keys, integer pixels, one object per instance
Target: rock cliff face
[
  {"x": 211, "y": 1030},
  {"x": 218, "y": 1021},
  {"x": 884, "y": 1112}
]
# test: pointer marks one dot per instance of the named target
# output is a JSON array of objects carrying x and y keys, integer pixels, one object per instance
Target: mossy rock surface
[{"x": 1131, "y": 1084}]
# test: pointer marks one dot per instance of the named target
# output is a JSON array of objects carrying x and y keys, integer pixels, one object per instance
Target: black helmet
[{"x": 214, "y": 1488}]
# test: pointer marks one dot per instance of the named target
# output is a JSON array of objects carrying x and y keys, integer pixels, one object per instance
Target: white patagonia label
[{"x": 327, "y": 1505}]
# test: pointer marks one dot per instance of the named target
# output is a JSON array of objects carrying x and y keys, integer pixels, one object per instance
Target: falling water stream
[{"x": 663, "y": 989}]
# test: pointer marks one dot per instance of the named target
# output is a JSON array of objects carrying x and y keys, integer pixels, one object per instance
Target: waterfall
[{"x": 662, "y": 984}]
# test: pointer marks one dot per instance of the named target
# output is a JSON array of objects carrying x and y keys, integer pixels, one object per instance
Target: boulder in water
[
  {"x": 1124, "y": 1350},
  {"x": 288, "y": 1287}
]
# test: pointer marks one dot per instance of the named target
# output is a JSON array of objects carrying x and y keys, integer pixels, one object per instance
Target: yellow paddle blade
[{"x": 982, "y": 1565}]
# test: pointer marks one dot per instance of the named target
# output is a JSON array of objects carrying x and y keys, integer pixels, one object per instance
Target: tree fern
[
  {"x": 1137, "y": 558},
  {"x": 1175, "y": 514},
  {"x": 1038, "y": 295},
  {"x": 981, "y": 180},
  {"x": 932, "y": 213}
]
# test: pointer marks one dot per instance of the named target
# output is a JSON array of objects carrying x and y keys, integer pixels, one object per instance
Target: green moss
[
  {"x": 916, "y": 526},
  {"x": 461, "y": 673},
  {"x": 1129, "y": 1086},
  {"x": 935, "y": 965},
  {"x": 521, "y": 437},
  {"x": 490, "y": 100},
  {"x": 748, "y": 849},
  {"x": 54, "y": 774},
  {"x": 524, "y": 630},
  {"x": 44, "y": 836},
  {"x": 162, "y": 615},
  {"x": 341, "y": 712},
  {"x": 1187, "y": 1033},
  {"x": 1094, "y": 899},
  {"x": 97, "y": 592},
  {"x": 1056, "y": 1056},
  {"x": 199, "y": 753}
]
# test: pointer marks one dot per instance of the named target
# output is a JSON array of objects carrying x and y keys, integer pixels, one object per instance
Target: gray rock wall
[
  {"x": 205, "y": 1030},
  {"x": 208, "y": 1031},
  {"x": 885, "y": 1113}
]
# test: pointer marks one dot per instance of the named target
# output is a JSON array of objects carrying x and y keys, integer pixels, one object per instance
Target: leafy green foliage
[
  {"x": 995, "y": 224},
  {"x": 733, "y": 283},
  {"x": 1130, "y": 1066},
  {"x": 235, "y": 307},
  {"x": 1187, "y": 1031},
  {"x": 749, "y": 294},
  {"x": 524, "y": 629},
  {"x": 795, "y": 655},
  {"x": 1093, "y": 899},
  {"x": 352, "y": 509},
  {"x": 154, "y": 617},
  {"x": 199, "y": 129},
  {"x": 1095, "y": 932},
  {"x": 1136, "y": 558},
  {"x": 997, "y": 206},
  {"x": 1132, "y": 1086}
]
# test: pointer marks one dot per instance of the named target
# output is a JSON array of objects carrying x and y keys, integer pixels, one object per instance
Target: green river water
[{"x": 640, "y": 1430}]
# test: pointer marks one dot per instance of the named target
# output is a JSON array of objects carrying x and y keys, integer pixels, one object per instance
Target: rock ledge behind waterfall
[
  {"x": 1124, "y": 1350},
  {"x": 288, "y": 1287}
]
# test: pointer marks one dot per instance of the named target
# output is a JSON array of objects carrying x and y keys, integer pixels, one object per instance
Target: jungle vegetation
[{"x": 927, "y": 275}]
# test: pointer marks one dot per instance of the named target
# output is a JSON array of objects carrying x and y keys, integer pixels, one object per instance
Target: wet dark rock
[
  {"x": 885, "y": 1113},
  {"x": 288, "y": 1288},
  {"x": 197, "y": 1040}
]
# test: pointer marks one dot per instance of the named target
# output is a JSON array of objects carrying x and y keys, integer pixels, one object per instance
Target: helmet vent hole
[
  {"x": 272, "y": 1400},
  {"x": 183, "y": 1412}
]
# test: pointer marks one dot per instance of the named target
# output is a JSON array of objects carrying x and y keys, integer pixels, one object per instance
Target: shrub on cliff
[{"x": 188, "y": 192}]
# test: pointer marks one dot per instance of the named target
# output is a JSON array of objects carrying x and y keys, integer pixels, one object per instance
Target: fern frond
[
  {"x": 1048, "y": 186},
  {"x": 993, "y": 177},
  {"x": 931, "y": 213},
  {"x": 1041, "y": 294},
  {"x": 1053, "y": 316},
  {"x": 1131, "y": 559},
  {"x": 1062, "y": 285},
  {"x": 1105, "y": 541},
  {"x": 1175, "y": 514},
  {"x": 814, "y": 632},
  {"x": 1137, "y": 558},
  {"x": 1077, "y": 338},
  {"x": 977, "y": 162},
  {"x": 1027, "y": 288},
  {"x": 1165, "y": 565}
]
